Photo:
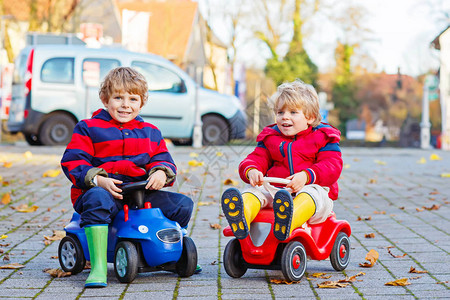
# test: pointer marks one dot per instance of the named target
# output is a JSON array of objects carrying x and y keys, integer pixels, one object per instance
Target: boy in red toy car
[
  {"x": 299, "y": 148},
  {"x": 113, "y": 147}
]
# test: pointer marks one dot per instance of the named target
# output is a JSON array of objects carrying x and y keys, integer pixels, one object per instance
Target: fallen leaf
[
  {"x": 51, "y": 173},
  {"x": 413, "y": 270},
  {"x": 1, "y": 178},
  {"x": 195, "y": 163},
  {"x": 371, "y": 257},
  {"x": 422, "y": 160},
  {"x": 353, "y": 278},
  {"x": 4, "y": 236},
  {"x": 28, "y": 154},
  {"x": 7, "y": 164},
  {"x": 6, "y": 257},
  {"x": 433, "y": 207},
  {"x": 369, "y": 235},
  {"x": 229, "y": 181},
  {"x": 365, "y": 218},
  {"x": 54, "y": 257},
  {"x": 25, "y": 208},
  {"x": 379, "y": 212},
  {"x": 445, "y": 175},
  {"x": 372, "y": 181},
  {"x": 57, "y": 235},
  {"x": 380, "y": 162},
  {"x": 219, "y": 154},
  {"x": 6, "y": 198},
  {"x": 277, "y": 281},
  {"x": 402, "y": 207},
  {"x": 332, "y": 284},
  {"x": 396, "y": 256},
  {"x": 398, "y": 282},
  {"x": 434, "y": 156},
  {"x": 201, "y": 203},
  {"x": 193, "y": 154},
  {"x": 12, "y": 266},
  {"x": 419, "y": 209},
  {"x": 318, "y": 275},
  {"x": 346, "y": 166},
  {"x": 435, "y": 192},
  {"x": 57, "y": 273},
  {"x": 215, "y": 226}
]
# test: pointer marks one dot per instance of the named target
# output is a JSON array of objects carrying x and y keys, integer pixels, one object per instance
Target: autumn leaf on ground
[
  {"x": 57, "y": 273},
  {"x": 332, "y": 284},
  {"x": 369, "y": 235},
  {"x": 435, "y": 192},
  {"x": 201, "y": 203},
  {"x": 398, "y": 282},
  {"x": 229, "y": 181},
  {"x": 4, "y": 236},
  {"x": 379, "y": 212},
  {"x": 371, "y": 257},
  {"x": 193, "y": 154},
  {"x": 419, "y": 209},
  {"x": 1, "y": 178},
  {"x": 6, "y": 198},
  {"x": 278, "y": 281},
  {"x": 433, "y": 207},
  {"x": 57, "y": 235},
  {"x": 372, "y": 181},
  {"x": 346, "y": 166},
  {"x": 321, "y": 275},
  {"x": 422, "y": 160},
  {"x": 7, "y": 164},
  {"x": 353, "y": 278},
  {"x": 25, "y": 208},
  {"x": 51, "y": 173},
  {"x": 434, "y": 156},
  {"x": 219, "y": 154},
  {"x": 215, "y": 226},
  {"x": 383, "y": 163},
  {"x": 413, "y": 270},
  {"x": 396, "y": 256},
  {"x": 364, "y": 218},
  {"x": 445, "y": 175},
  {"x": 28, "y": 154},
  {"x": 12, "y": 266}
]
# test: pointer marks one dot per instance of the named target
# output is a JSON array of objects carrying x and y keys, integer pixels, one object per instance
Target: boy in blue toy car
[
  {"x": 116, "y": 146},
  {"x": 299, "y": 148}
]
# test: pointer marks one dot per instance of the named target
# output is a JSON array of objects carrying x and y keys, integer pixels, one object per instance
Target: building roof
[
  {"x": 170, "y": 26},
  {"x": 435, "y": 43}
]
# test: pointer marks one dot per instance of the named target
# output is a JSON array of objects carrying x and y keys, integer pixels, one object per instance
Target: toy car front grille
[{"x": 169, "y": 235}]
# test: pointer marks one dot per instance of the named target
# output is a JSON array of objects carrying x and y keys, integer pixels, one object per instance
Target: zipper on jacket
[
  {"x": 289, "y": 153},
  {"x": 282, "y": 148}
]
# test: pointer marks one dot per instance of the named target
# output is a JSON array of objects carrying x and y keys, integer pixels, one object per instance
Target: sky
[{"x": 401, "y": 33}]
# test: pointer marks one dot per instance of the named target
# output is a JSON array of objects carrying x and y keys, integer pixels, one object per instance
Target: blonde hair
[
  {"x": 298, "y": 95},
  {"x": 124, "y": 79}
]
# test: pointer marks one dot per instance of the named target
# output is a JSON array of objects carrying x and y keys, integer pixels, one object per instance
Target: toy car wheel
[
  {"x": 187, "y": 263},
  {"x": 233, "y": 260},
  {"x": 340, "y": 254},
  {"x": 293, "y": 261},
  {"x": 126, "y": 261},
  {"x": 70, "y": 255}
]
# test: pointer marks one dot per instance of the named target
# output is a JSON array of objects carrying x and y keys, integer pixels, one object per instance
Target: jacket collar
[
  {"x": 274, "y": 130},
  {"x": 104, "y": 115}
]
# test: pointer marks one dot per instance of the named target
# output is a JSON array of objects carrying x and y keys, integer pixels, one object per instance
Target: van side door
[{"x": 170, "y": 104}]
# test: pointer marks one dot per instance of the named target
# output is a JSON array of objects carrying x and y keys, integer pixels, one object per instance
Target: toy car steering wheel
[
  {"x": 272, "y": 189},
  {"x": 133, "y": 186}
]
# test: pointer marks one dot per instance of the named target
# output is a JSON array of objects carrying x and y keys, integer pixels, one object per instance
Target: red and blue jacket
[
  {"x": 314, "y": 150},
  {"x": 125, "y": 151}
]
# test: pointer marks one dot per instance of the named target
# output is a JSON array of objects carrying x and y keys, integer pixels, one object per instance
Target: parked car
[{"x": 53, "y": 90}]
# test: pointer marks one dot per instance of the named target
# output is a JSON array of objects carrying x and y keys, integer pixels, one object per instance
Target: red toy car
[{"x": 261, "y": 250}]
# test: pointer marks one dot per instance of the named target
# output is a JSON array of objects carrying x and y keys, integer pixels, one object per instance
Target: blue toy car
[{"x": 140, "y": 239}]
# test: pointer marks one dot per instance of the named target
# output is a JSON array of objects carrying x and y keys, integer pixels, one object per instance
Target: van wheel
[
  {"x": 215, "y": 131},
  {"x": 57, "y": 130}
]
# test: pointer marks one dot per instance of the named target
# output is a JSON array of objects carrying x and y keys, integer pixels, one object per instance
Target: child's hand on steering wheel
[
  {"x": 157, "y": 180},
  {"x": 298, "y": 181},
  {"x": 255, "y": 177}
]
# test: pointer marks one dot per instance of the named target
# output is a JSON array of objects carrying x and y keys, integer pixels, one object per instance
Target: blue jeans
[{"x": 98, "y": 206}]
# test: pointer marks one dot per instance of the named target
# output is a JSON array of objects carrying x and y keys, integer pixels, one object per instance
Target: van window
[
  {"x": 20, "y": 68},
  {"x": 106, "y": 65},
  {"x": 58, "y": 70},
  {"x": 159, "y": 79}
]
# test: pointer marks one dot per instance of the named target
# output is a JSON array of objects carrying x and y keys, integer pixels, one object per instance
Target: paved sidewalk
[{"x": 396, "y": 194}]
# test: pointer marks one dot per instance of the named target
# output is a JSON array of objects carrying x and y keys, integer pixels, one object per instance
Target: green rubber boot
[{"x": 97, "y": 238}]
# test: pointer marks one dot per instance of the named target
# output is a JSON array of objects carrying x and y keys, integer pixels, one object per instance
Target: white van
[{"x": 51, "y": 93}]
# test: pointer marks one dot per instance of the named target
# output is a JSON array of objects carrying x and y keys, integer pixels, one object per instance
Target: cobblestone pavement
[{"x": 401, "y": 196}]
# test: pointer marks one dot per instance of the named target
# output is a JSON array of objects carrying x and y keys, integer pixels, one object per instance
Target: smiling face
[
  {"x": 291, "y": 120},
  {"x": 122, "y": 106}
]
